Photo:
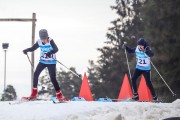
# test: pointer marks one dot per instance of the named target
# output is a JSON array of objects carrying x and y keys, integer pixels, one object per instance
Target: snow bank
[{"x": 46, "y": 110}]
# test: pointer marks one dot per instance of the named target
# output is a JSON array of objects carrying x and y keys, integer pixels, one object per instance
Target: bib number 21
[{"x": 141, "y": 61}]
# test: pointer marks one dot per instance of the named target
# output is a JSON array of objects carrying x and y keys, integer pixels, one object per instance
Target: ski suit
[
  {"x": 143, "y": 67},
  {"x": 46, "y": 61}
]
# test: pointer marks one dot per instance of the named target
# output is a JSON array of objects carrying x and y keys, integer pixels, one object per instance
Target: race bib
[
  {"x": 44, "y": 57},
  {"x": 143, "y": 61}
]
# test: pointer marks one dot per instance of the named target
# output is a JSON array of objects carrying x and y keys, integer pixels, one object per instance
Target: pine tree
[
  {"x": 161, "y": 20},
  {"x": 111, "y": 64},
  {"x": 9, "y": 94}
]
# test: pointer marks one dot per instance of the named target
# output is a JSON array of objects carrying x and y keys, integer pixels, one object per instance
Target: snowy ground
[{"x": 83, "y": 110}]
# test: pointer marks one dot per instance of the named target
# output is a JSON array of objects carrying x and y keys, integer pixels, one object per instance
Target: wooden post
[
  {"x": 33, "y": 20},
  {"x": 33, "y": 41}
]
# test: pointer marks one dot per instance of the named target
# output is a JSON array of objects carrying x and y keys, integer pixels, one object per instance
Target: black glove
[
  {"x": 48, "y": 54},
  {"x": 147, "y": 49},
  {"x": 124, "y": 45},
  {"x": 25, "y": 51}
]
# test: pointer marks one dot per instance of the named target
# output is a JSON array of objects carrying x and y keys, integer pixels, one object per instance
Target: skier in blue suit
[
  {"x": 47, "y": 59},
  {"x": 143, "y": 66}
]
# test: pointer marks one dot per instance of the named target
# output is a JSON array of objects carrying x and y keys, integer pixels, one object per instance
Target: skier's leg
[
  {"x": 136, "y": 74},
  {"x": 147, "y": 75},
  {"x": 37, "y": 72},
  {"x": 52, "y": 73}
]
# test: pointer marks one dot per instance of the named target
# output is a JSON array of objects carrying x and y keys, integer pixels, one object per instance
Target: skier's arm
[
  {"x": 54, "y": 46},
  {"x": 149, "y": 52},
  {"x": 130, "y": 50},
  {"x": 34, "y": 47},
  {"x": 55, "y": 49}
]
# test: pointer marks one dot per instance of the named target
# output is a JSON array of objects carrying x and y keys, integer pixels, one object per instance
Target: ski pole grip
[{"x": 125, "y": 43}]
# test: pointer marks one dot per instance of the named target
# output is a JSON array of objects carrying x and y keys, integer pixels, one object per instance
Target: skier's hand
[
  {"x": 25, "y": 51},
  {"x": 48, "y": 54},
  {"x": 124, "y": 45},
  {"x": 147, "y": 49}
]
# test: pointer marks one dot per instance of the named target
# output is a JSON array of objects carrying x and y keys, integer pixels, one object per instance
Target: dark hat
[
  {"x": 43, "y": 34},
  {"x": 141, "y": 41}
]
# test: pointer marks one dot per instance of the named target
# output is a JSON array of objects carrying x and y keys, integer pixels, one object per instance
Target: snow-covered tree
[{"x": 9, "y": 94}]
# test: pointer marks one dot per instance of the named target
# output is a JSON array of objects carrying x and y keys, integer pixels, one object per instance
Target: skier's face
[
  {"x": 44, "y": 41},
  {"x": 141, "y": 47}
]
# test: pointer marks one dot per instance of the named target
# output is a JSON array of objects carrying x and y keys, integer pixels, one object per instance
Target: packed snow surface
[{"x": 84, "y": 110}]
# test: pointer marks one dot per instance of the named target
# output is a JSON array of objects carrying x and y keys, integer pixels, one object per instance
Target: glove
[
  {"x": 149, "y": 52},
  {"x": 147, "y": 49},
  {"x": 25, "y": 51},
  {"x": 124, "y": 45},
  {"x": 48, "y": 54}
]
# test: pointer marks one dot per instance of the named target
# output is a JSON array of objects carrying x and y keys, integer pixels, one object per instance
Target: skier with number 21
[{"x": 143, "y": 54}]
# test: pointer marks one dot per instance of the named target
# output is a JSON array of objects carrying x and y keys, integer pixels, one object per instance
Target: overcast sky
[{"x": 78, "y": 27}]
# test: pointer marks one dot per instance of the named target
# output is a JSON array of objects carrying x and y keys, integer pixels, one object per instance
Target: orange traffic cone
[
  {"x": 125, "y": 91},
  {"x": 85, "y": 91},
  {"x": 143, "y": 90}
]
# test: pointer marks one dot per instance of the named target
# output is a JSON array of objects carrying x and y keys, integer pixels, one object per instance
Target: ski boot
[
  {"x": 60, "y": 96},
  {"x": 155, "y": 99},
  {"x": 32, "y": 96},
  {"x": 135, "y": 97}
]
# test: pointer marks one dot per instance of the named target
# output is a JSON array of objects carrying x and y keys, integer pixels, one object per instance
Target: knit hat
[
  {"x": 141, "y": 41},
  {"x": 43, "y": 34}
]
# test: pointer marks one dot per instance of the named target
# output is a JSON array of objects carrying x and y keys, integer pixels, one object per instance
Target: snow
[{"x": 85, "y": 110}]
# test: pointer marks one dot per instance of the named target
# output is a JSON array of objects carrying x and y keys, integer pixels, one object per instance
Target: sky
[{"x": 78, "y": 27}]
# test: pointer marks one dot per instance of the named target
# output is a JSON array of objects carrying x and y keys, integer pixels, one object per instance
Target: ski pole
[
  {"x": 163, "y": 79},
  {"x": 128, "y": 64},
  {"x": 127, "y": 61},
  {"x": 30, "y": 62},
  {"x": 78, "y": 75},
  {"x": 161, "y": 76}
]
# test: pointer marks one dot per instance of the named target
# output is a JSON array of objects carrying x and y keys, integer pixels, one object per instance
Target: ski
[
  {"x": 25, "y": 99},
  {"x": 131, "y": 100},
  {"x": 18, "y": 102},
  {"x": 56, "y": 101}
]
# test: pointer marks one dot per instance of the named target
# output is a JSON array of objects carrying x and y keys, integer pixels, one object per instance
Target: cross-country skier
[
  {"x": 47, "y": 59},
  {"x": 143, "y": 66}
]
